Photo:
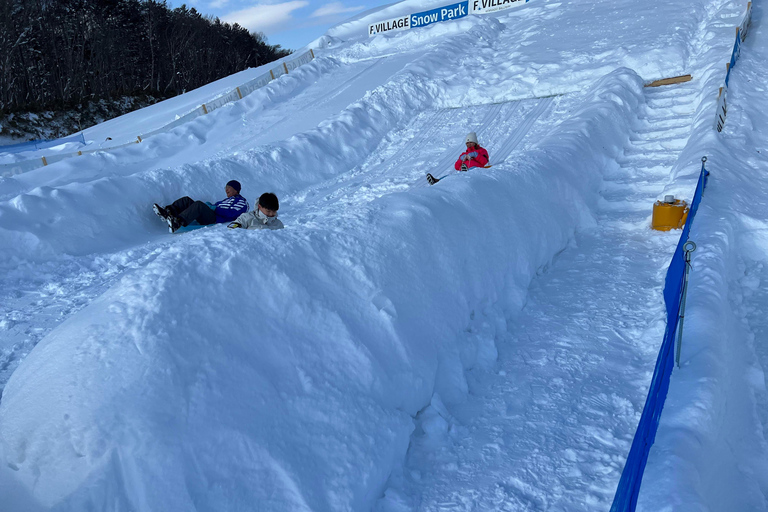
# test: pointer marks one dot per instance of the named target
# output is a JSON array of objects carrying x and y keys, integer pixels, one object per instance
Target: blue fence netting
[
  {"x": 34, "y": 145},
  {"x": 735, "y": 54},
  {"x": 628, "y": 490}
]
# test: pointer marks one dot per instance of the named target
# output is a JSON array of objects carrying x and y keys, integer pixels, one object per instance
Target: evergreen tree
[{"x": 59, "y": 53}]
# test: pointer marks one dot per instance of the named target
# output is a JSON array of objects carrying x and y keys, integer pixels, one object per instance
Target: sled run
[{"x": 482, "y": 344}]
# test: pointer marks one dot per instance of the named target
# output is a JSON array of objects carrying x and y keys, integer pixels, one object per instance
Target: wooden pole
[
  {"x": 286, "y": 68},
  {"x": 669, "y": 81}
]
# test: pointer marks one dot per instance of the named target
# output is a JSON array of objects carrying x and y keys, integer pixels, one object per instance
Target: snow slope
[{"x": 485, "y": 343}]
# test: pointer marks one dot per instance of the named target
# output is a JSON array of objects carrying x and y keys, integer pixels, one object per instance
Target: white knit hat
[{"x": 472, "y": 137}]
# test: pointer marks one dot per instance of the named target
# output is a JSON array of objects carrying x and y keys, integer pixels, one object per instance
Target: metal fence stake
[{"x": 688, "y": 247}]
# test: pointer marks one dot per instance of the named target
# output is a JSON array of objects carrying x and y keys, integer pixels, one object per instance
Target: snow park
[{"x": 515, "y": 337}]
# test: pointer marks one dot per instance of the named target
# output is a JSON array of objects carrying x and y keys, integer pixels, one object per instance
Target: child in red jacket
[{"x": 474, "y": 156}]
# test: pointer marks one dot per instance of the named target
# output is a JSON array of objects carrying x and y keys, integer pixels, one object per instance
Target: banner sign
[
  {"x": 741, "y": 34},
  {"x": 401, "y": 23},
  {"x": 488, "y": 6},
  {"x": 722, "y": 109},
  {"x": 446, "y": 13},
  {"x": 744, "y": 27},
  {"x": 449, "y": 12}
]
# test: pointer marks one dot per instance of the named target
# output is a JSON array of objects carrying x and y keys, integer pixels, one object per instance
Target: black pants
[{"x": 189, "y": 210}]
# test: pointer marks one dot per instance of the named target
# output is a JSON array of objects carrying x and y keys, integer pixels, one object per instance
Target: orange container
[{"x": 669, "y": 215}]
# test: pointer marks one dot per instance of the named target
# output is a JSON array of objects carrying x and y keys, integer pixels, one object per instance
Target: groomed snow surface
[{"x": 482, "y": 344}]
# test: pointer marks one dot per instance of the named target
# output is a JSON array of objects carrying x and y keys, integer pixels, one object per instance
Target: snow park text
[{"x": 439, "y": 14}]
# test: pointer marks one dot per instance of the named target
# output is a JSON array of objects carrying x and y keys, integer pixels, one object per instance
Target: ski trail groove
[
  {"x": 540, "y": 431},
  {"x": 431, "y": 142}
]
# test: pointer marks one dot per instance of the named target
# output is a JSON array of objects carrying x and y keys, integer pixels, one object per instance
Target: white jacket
[{"x": 257, "y": 220}]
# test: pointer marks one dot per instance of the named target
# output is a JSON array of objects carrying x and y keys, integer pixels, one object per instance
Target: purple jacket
[{"x": 231, "y": 208}]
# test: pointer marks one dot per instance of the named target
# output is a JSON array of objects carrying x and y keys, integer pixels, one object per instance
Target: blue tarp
[
  {"x": 34, "y": 145},
  {"x": 734, "y": 56},
  {"x": 625, "y": 499}
]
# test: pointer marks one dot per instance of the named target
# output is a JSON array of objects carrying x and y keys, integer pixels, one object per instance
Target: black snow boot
[
  {"x": 174, "y": 223},
  {"x": 160, "y": 211}
]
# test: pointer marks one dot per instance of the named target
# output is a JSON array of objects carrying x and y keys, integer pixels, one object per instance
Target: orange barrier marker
[{"x": 669, "y": 214}]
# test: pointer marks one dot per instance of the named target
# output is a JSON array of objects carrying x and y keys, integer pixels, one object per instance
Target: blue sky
[{"x": 291, "y": 23}]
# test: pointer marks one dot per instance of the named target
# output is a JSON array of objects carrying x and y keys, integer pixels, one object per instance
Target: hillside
[{"x": 485, "y": 343}]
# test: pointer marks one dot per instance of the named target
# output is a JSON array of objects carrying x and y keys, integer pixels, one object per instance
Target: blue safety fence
[
  {"x": 735, "y": 54},
  {"x": 34, "y": 145},
  {"x": 722, "y": 101},
  {"x": 625, "y": 499}
]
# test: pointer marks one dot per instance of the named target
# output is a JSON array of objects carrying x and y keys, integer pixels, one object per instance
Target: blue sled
[{"x": 191, "y": 227}]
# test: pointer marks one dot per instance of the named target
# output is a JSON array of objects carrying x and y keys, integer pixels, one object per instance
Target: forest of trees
[{"x": 55, "y": 54}]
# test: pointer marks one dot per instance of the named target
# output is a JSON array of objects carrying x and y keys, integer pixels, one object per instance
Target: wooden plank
[{"x": 669, "y": 81}]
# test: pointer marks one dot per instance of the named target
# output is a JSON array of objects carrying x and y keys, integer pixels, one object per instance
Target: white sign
[
  {"x": 401, "y": 23},
  {"x": 487, "y": 6},
  {"x": 449, "y": 12},
  {"x": 722, "y": 109}
]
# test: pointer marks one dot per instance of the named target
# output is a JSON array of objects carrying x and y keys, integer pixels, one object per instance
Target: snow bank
[
  {"x": 710, "y": 451},
  {"x": 285, "y": 368}
]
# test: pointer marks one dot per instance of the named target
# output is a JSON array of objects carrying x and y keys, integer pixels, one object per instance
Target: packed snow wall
[{"x": 285, "y": 368}]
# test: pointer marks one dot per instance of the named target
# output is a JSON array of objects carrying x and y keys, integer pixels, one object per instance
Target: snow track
[
  {"x": 35, "y": 307},
  {"x": 331, "y": 93},
  {"x": 541, "y": 431},
  {"x": 429, "y": 143}
]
